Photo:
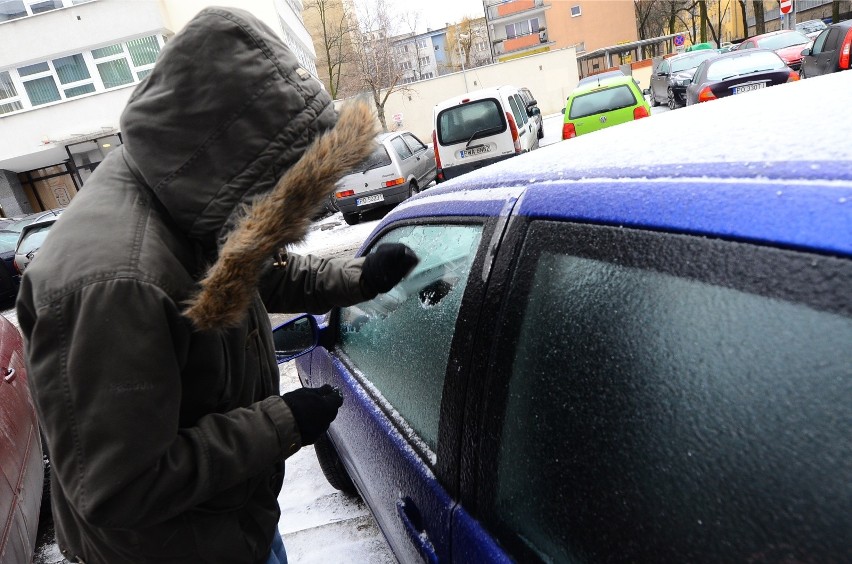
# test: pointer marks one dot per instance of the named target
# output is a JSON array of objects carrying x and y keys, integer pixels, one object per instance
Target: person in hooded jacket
[{"x": 165, "y": 427}]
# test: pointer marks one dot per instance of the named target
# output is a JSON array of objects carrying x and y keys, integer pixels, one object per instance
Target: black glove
[
  {"x": 314, "y": 409},
  {"x": 385, "y": 267}
]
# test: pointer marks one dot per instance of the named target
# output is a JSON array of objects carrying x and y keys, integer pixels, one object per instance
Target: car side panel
[
  {"x": 390, "y": 476},
  {"x": 20, "y": 453}
]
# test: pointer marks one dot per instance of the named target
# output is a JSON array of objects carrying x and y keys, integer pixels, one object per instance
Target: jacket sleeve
[
  {"x": 310, "y": 284},
  {"x": 105, "y": 368}
]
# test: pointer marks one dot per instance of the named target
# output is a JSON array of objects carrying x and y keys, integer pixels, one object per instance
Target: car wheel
[
  {"x": 673, "y": 105},
  {"x": 651, "y": 99},
  {"x": 332, "y": 467},
  {"x": 352, "y": 218},
  {"x": 541, "y": 131},
  {"x": 802, "y": 74},
  {"x": 413, "y": 188}
]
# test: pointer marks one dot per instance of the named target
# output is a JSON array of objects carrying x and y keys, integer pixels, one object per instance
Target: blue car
[{"x": 632, "y": 355}]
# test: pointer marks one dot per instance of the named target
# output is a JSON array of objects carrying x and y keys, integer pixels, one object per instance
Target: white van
[{"x": 478, "y": 128}]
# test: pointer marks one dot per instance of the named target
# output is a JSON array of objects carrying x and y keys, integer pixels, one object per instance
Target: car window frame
[
  {"x": 492, "y": 359},
  {"x": 818, "y": 46},
  {"x": 414, "y": 149},
  {"x": 454, "y": 396},
  {"x": 832, "y": 39},
  {"x": 396, "y": 150}
]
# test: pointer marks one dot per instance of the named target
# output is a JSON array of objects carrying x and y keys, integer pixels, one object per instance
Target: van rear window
[
  {"x": 476, "y": 119},
  {"x": 600, "y": 101}
]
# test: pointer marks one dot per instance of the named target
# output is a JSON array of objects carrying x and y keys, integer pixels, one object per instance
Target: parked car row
[
  {"x": 470, "y": 131},
  {"x": 11, "y": 237},
  {"x": 613, "y": 360}
]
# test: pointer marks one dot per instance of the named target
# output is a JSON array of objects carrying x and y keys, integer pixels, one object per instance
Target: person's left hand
[{"x": 386, "y": 266}]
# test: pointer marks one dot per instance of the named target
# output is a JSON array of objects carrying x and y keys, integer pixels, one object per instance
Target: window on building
[
  {"x": 15, "y": 9},
  {"x": 12, "y": 10},
  {"x": 9, "y": 98},
  {"x": 78, "y": 74},
  {"x": 425, "y": 60},
  {"x": 524, "y": 27},
  {"x": 575, "y": 11}
]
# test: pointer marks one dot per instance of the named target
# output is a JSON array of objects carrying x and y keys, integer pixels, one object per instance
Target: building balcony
[
  {"x": 522, "y": 44},
  {"x": 501, "y": 10}
]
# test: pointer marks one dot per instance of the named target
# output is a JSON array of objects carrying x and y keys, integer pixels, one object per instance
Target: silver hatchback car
[{"x": 401, "y": 166}]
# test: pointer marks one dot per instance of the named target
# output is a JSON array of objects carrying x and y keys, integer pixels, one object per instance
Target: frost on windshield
[{"x": 401, "y": 340}]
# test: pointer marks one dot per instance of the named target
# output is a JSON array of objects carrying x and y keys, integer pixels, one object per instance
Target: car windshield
[
  {"x": 600, "y": 101},
  {"x": 811, "y": 26},
  {"x": 460, "y": 123},
  {"x": 782, "y": 40},
  {"x": 8, "y": 240},
  {"x": 378, "y": 159},
  {"x": 33, "y": 240},
  {"x": 679, "y": 65},
  {"x": 744, "y": 64}
]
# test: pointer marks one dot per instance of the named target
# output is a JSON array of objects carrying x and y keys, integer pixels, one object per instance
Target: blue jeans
[{"x": 277, "y": 554}]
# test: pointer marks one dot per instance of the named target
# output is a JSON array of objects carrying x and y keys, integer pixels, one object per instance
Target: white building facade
[{"x": 67, "y": 69}]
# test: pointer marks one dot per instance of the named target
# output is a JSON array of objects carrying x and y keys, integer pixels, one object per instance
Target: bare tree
[
  {"x": 744, "y": 12},
  {"x": 759, "y": 17},
  {"x": 835, "y": 11},
  {"x": 333, "y": 30},
  {"x": 722, "y": 7},
  {"x": 380, "y": 72}
]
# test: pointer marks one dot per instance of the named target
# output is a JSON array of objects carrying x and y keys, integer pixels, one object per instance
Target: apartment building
[
  {"x": 442, "y": 51},
  {"x": 67, "y": 69},
  {"x": 524, "y": 27}
]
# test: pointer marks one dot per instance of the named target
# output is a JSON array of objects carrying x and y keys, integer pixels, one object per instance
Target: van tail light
[
  {"x": 440, "y": 171},
  {"x": 639, "y": 112},
  {"x": 394, "y": 182},
  {"x": 568, "y": 131},
  {"x": 516, "y": 139},
  {"x": 794, "y": 76},
  {"x": 345, "y": 194},
  {"x": 844, "y": 50},
  {"x": 706, "y": 95}
]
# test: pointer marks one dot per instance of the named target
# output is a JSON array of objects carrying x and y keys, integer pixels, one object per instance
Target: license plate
[
  {"x": 370, "y": 199},
  {"x": 473, "y": 151},
  {"x": 749, "y": 87}
]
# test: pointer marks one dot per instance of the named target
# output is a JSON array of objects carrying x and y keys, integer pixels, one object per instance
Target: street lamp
[{"x": 461, "y": 55}]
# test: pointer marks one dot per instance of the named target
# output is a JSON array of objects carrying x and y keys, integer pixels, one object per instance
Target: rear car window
[
  {"x": 600, "y": 101},
  {"x": 379, "y": 158},
  {"x": 736, "y": 66},
  {"x": 34, "y": 239},
  {"x": 692, "y": 61},
  {"x": 783, "y": 40},
  {"x": 458, "y": 124}
]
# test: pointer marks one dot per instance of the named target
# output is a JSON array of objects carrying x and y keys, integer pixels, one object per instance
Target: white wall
[
  {"x": 82, "y": 27},
  {"x": 34, "y": 139},
  {"x": 179, "y": 12},
  {"x": 549, "y": 76}
]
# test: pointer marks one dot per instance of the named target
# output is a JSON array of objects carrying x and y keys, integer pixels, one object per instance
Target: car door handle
[
  {"x": 10, "y": 375},
  {"x": 411, "y": 521}
]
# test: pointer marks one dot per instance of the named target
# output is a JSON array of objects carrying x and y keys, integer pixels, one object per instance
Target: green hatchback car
[{"x": 603, "y": 104}]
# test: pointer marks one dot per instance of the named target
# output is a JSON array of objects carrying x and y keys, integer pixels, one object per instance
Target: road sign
[
  {"x": 678, "y": 40},
  {"x": 786, "y": 6}
]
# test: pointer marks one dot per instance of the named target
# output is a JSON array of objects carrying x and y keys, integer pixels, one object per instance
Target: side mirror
[
  {"x": 563, "y": 111},
  {"x": 295, "y": 338},
  {"x": 533, "y": 111},
  {"x": 806, "y": 51},
  {"x": 647, "y": 92}
]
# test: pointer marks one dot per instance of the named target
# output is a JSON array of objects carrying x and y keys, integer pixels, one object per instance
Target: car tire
[
  {"x": 802, "y": 74},
  {"x": 672, "y": 101},
  {"x": 651, "y": 100},
  {"x": 332, "y": 467},
  {"x": 413, "y": 188},
  {"x": 45, "y": 490},
  {"x": 541, "y": 132},
  {"x": 352, "y": 218}
]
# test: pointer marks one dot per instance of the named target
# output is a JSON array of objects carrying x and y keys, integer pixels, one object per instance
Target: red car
[
  {"x": 21, "y": 459},
  {"x": 787, "y": 43}
]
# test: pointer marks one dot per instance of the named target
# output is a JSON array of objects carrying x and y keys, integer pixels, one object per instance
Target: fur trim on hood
[{"x": 279, "y": 219}]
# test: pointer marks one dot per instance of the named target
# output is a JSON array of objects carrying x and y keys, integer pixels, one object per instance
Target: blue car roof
[{"x": 768, "y": 167}]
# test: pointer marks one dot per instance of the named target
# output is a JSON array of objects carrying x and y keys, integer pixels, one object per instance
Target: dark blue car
[{"x": 613, "y": 352}]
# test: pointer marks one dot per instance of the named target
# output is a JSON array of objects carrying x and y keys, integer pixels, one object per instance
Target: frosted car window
[
  {"x": 400, "y": 341},
  {"x": 401, "y": 148},
  {"x": 637, "y": 398}
]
